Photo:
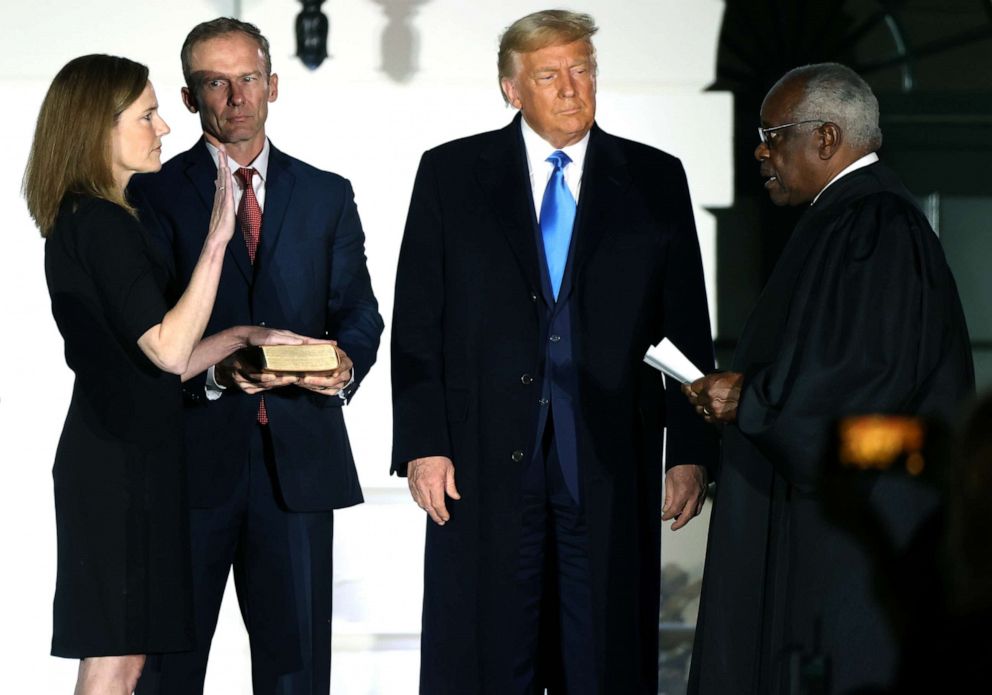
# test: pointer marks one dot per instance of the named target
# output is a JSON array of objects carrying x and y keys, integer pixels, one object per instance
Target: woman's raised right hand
[{"x": 223, "y": 214}]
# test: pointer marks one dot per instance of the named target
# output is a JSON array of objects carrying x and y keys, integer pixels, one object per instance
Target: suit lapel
[
  {"x": 201, "y": 172},
  {"x": 278, "y": 191},
  {"x": 604, "y": 180},
  {"x": 502, "y": 172}
]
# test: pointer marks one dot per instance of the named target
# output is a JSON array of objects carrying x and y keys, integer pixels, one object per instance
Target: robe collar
[{"x": 869, "y": 158}]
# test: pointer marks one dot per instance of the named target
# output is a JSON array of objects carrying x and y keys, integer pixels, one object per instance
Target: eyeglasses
[{"x": 763, "y": 132}]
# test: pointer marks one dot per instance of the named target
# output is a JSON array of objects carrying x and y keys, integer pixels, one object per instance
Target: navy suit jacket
[{"x": 310, "y": 277}]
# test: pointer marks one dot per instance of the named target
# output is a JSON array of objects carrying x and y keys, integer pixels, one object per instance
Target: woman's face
[{"x": 136, "y": 139}]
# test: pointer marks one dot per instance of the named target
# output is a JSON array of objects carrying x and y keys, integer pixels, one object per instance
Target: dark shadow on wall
[{"x": 400, "y": 45}]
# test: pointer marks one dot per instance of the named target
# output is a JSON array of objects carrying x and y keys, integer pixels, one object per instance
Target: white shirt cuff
[
  {"x": 342, "y": 393},
  {"x": 211, "y": 387}
]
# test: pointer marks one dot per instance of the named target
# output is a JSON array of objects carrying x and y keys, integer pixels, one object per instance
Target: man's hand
[
  {"x": 716, "y": 396},
  {"x": 329, "y": 384},
  {"x": 233, "y": 372},
  {"x": 685, "y": 492},
  {"x": 429, "y": 479}
]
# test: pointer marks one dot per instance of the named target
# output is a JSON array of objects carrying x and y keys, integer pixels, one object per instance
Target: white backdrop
[{"x": 656, "y": 57}]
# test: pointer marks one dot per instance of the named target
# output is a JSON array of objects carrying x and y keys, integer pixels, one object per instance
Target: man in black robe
[{"x": 860, "y": 315}]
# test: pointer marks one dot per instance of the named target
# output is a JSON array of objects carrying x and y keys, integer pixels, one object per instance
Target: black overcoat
[
  {"x": 469, "y": 323},
  {"x": 861, "y": 315}
]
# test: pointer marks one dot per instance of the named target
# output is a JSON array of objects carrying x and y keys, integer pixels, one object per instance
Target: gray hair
[
  {"x": 835, "y": 93},
  {"x": 540, "y": 30}
]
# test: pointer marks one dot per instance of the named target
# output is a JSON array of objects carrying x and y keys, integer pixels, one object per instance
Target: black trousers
[
  {"x": 555, "y": 631},
  {"x": 283, "y": 575}
]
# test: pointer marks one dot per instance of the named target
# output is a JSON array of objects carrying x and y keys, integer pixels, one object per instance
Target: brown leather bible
[{"x": 293, "y": 358}]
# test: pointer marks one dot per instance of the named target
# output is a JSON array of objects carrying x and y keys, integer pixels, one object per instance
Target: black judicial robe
[{"x": 861, "y": 315}]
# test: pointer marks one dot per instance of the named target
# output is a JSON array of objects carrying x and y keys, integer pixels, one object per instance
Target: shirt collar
[
  {"x": 538, "y": 149},
  {"x": 261, "y": 163},
  {"x": 869, "y": 158}
]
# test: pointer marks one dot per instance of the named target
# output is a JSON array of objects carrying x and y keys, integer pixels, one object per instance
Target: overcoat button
[
  {"x": 543, "y": 401},
  {"x": 533, "y": 296},
  {"x": 555, "y": 338},
  {"x": 526, "y": 379},
  {"x": 517, "y": 456}
]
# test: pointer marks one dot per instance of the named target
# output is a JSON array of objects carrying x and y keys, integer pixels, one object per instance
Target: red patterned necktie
[{"x": 250, "y": 219}]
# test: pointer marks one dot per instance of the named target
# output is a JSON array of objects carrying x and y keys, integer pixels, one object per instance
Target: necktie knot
[
  {"x": 245, "y": 175},
  {"x": 558, "y": 159}
]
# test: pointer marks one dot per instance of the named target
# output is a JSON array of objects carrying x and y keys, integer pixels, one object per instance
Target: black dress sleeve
[{"x": 112, "y": 248}]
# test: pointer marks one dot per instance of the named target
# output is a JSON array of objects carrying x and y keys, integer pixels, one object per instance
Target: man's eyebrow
[
  {"x": 206, "y": 75},
  {"x": 583, "y": 62}
]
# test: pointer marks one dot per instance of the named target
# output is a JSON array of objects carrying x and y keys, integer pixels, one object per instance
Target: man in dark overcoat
[
  {"x": 860, "y": 315},
  {"x": 538, "y": 264}
]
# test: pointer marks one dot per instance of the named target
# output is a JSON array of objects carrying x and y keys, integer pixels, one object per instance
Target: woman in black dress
[{"x": 123, "y": 587}]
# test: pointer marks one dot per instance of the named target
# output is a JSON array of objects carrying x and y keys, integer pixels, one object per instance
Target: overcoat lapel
[
  {"x": 503, "y": 175},
  {"x": 202, "y": 172},
  {"x": 278, "y": 191},
  {"x": 604, "y": 180}
]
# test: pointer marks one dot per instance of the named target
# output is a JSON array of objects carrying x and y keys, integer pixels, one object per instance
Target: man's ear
[
  {"x": 510, "y": 91},
  {"x": 273, "y": 87},
  {"x": 831, "y": 139},
  {"x": 189, "y": 100}
]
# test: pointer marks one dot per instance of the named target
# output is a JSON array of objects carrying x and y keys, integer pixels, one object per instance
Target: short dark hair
[
  {"x": 222, "y": 26},
  {"x": 71, "y": 152}
]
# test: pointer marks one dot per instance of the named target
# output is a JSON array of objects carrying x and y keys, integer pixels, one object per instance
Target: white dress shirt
[{"x": 538, "y": 149}]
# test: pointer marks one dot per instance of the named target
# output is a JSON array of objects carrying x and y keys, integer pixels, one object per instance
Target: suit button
[
  {"x": 543, "y": 401},
  {"x": 526, "y": 379},
  {"x": 261, "y": 323},
  {"x": 555, "y": 338},
  {"x": 533, "y": 296},
  {"x": 517, "y": 456}
]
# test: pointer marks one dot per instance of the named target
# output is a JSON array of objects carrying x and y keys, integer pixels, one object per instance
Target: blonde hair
[
  {"x": 71, "y": 150},
  {"x": 540, "y": 30}
]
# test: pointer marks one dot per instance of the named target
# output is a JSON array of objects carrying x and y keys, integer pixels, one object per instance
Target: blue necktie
[{"x": 557, "y": 216}]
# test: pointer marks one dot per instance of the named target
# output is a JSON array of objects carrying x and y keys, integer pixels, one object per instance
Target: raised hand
[{"x": 223, "y": 214}]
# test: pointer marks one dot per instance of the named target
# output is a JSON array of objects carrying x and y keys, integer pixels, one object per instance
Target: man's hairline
[
  {"x": 233, "y": 32},
  {"x": 515, "y": 56}
]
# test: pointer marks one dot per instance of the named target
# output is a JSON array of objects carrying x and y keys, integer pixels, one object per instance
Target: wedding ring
[{"x": 706, "y": 412}]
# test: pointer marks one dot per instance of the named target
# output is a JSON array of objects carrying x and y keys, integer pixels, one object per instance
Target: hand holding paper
[
  {"x": 716, "y": 396},
  {"x": 667, "y": 358}
]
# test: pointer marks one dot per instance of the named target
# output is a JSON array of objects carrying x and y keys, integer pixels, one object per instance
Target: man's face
[
  {"x": 555, "y": 89},
  {"x": 790, "y": 161},
  {"x": 232, "y": 91}
]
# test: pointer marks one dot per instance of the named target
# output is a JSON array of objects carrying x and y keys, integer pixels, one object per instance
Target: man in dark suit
[
  {"x": 860, "y": 315},
  {"x": 538, "y": 264},
  {"x": 268, "y": 456}
]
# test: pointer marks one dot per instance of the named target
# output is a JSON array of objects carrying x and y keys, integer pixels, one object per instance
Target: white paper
[{"x": 669, "y": 359}]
